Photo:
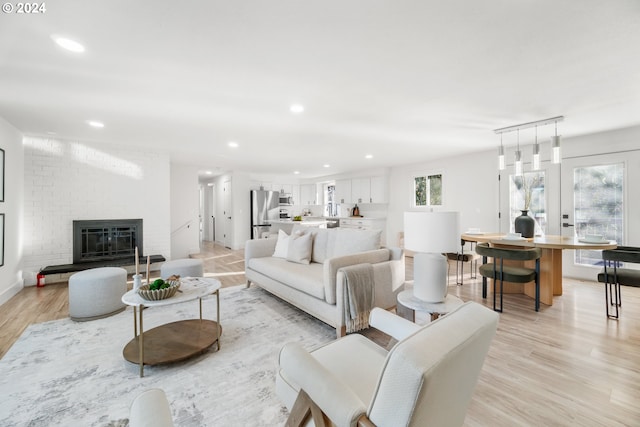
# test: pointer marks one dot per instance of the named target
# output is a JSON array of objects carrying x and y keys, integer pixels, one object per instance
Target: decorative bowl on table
[{"x": 159, "y": 290}]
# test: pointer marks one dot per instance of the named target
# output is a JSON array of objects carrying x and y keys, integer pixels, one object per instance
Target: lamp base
[{"x": 430, "y": 277}]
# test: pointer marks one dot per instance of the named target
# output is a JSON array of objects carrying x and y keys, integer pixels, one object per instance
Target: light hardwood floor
[{"x": 567, "y": 365}]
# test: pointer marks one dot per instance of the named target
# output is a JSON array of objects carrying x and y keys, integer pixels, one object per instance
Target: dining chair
[
  {"x": 613, "y": 275},
  {"x": 498, "y": 271},
  {"x": 464, "y": 256}
]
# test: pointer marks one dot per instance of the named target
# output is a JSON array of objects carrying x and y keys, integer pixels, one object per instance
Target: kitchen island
[{"x": 286, "y": 225}]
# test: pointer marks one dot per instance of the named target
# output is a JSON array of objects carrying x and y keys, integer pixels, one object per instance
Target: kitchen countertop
[{"x": 305, "y": 222}]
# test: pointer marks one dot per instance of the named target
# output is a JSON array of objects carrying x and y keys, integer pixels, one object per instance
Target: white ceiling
[{"x": 405, "y": 81}]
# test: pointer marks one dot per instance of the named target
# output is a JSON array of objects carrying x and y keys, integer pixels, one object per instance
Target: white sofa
[{"x": 317, "y": 287}]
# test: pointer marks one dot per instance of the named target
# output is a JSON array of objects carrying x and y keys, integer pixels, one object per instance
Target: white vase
[{"x": 137, "y": 281}]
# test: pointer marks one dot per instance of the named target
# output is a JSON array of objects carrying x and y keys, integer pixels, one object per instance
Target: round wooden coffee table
[{"x": 174, "y": 341}]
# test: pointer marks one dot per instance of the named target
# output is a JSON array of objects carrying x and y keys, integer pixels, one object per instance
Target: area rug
[{"x": 65, "y": 373}]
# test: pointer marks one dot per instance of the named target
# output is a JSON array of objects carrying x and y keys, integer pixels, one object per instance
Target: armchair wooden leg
[{"x": 303, "y": 408}]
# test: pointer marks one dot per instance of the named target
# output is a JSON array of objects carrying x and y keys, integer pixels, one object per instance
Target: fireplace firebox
[{"x": 106, "y": 240}]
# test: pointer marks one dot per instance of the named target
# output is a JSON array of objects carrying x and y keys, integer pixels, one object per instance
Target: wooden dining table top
[{"x": 545, "y": 242}]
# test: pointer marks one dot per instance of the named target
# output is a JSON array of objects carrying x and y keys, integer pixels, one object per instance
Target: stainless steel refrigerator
[{"x": 265, "y": 206}]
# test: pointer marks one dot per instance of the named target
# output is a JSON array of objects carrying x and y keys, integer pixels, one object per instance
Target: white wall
[
  {"x": 185, "y": 211},
  {"x": 12, "y": 207},
  {"x": 241, "y": 210},
  {"x": 469, "y": 186},
  {"x": 66, "y": 181}
]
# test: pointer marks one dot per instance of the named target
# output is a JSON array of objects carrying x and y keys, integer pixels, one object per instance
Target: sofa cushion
[
  {"x": 320, "y": 237},
  {"x": 282, "y": 245},
  {"x": 307, "y": 278},
  {"x": 300, "y": 248}
]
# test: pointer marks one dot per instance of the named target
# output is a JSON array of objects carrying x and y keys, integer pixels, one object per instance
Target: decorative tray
[{"x": 159, "y": 294}]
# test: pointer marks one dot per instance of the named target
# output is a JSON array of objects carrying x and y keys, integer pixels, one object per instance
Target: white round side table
[{"x": 408, "y": 304}]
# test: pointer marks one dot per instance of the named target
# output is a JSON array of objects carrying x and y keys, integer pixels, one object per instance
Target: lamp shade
[
  {"x": 555, "y": 149},
  {"x": 432, "y": 232}
]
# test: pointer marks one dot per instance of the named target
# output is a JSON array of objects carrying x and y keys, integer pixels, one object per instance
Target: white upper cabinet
[
  {"x": 295, "y": 194},
  {"x": 360, "y": 190},
  {"x": 343, "y": 191},
  {"x": 308, "y": 194},
  {"x": 379, "y": 193}
]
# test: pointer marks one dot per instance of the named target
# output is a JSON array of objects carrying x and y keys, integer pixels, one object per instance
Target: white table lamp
[{"x": 429, "y": 235}]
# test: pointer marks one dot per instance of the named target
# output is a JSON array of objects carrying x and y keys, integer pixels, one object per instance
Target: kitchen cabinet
[
  {"x": 343, "y": 191},
  {"x": 282, "y": 188},
  {"x": 360, "y": 190},
  {"x": 366, "y": 224},
  {"x": 295, "y": 194},
  {"x": 308, "y": 194},
  {"x": 378, "y": 190}
]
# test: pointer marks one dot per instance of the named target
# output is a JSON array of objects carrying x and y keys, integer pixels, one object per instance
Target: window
[
  {"x": 427, "y": 190},
  {"x": 331, "y": 204}
]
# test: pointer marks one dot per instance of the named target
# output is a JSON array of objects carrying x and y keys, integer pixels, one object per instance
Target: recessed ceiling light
[
  {"x": 296, "y": 172},
  {"x": 68, "y": 44},
  {"x": 233, "y": 144},
  {"x": 296, "y": 108},
  {"x": 95, "y": 123},
  {"x": 326, "y": 166},
  {"x": 208, "y": 172},
  {"x": 369, "y": 156}
]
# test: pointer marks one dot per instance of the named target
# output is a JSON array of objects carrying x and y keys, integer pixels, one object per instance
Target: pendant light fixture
[
  {"x": 501, "y": 155},
  {"x": 555, "y": 146},
  {"x": 518, "y": 163},
  {"x": 536, "y": 153}
]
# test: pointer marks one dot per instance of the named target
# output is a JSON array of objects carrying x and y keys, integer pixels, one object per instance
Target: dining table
[{"x": 550, "y": 261}]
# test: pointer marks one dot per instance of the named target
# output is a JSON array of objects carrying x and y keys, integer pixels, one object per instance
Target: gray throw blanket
[{"x": 358, "y": 296}]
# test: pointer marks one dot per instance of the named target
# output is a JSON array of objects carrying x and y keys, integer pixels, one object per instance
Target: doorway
[
  {"x": 227, "y": 222},
  {"x": 543, "y": 191},
  {"x": 208, "y": 212}
]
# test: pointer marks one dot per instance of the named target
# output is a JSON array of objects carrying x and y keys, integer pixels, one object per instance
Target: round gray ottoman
[
  {"x": 97, "y": 293},
  {"x": 188, "y": 267}
]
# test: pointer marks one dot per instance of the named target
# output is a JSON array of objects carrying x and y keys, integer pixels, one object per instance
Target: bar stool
[{"x": 613, "y": 275}]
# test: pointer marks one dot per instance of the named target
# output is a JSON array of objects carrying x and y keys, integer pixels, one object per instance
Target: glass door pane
[
  {"x": 527, "y": 191},
  {"x": 598, "y": 206},
  {"x": 594, "y": 201}
]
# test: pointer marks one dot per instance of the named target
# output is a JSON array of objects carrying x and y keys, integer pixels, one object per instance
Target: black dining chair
[
  {"x": 498, "y": 271},
  {"x": 614, "y": 275}
]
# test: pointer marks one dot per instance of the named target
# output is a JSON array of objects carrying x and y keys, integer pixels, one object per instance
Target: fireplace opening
[{"x": 106, "y": 240}]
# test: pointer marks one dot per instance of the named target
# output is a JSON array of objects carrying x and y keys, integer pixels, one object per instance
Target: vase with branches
[{"x": 524, "y": 224}]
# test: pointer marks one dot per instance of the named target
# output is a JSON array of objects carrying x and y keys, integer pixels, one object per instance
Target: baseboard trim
[{"x": 11, "y": 291}]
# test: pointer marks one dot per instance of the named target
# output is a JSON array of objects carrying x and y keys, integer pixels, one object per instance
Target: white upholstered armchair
[{"x": 426, "y": 379}]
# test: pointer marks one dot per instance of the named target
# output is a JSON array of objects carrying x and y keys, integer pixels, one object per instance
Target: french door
[
  {"x": 544, "y": 193},
  {"x": 594, "y": 201}
]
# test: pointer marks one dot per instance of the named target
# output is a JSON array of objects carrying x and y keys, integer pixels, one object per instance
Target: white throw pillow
[
  {"x": 282, "y": 245},
  {"x": 300, "y": 248}
]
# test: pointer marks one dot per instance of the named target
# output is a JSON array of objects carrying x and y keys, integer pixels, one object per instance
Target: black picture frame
[{"x": 2, "y": 175}]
